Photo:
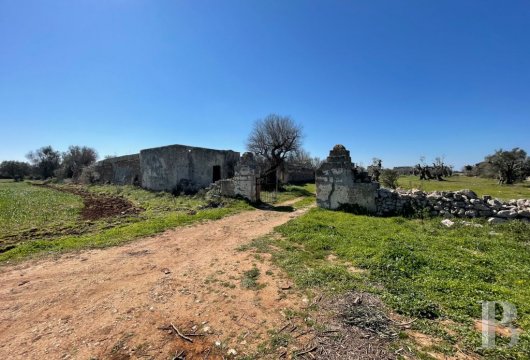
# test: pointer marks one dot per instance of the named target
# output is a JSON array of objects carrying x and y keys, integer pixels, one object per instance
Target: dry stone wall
[
  {"x": 462, "y": 203},
  {"x": 340, "y": 185}
]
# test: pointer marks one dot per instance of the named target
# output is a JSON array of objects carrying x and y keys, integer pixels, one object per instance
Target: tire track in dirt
[{"x": 110, "y": 303}]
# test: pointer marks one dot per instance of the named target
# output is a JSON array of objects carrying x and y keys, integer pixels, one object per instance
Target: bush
[
  {"x": 389, "y": 178},
  {"x": 89, "y": 175}
]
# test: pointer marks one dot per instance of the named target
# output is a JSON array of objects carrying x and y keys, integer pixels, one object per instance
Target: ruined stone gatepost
[
  {"x": 339, "y": 183},
  {"x": 244, "y": 182}
]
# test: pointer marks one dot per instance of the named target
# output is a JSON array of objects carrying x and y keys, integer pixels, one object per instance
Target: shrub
[{"x": 389, "y": 178}]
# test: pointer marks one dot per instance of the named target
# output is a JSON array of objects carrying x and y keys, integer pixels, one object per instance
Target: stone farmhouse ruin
[
  {"x": 341, "y": 185},
  {"x": 187, "y": 169},
  {"x": 170, "y": 167},
  {"x": 183, "y": 169}
]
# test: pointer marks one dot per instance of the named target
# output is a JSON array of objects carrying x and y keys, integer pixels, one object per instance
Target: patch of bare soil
[
  {"x": 99, "y": 206},
  {"x": 127, "y": 302}
]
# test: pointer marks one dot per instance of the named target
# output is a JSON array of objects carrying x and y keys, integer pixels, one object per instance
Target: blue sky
[{"x": 391, "y": 79}]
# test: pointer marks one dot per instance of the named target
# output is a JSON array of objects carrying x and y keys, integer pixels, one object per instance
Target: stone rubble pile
[{"x": 449, "y": 204}]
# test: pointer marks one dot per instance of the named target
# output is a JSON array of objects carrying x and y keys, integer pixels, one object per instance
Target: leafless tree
[{"x": 275, "y": 138}]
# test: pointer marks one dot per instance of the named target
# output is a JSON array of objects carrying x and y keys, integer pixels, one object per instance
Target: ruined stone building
[
  {"x": 169, "y": 168},
  {"x": 340, "y": 185}
]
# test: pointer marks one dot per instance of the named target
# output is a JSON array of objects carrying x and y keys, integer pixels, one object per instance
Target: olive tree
[
  {"x": 274, "y": 138},
  {"x": 510, "y": 165},
  {"x": 45, "y": 161},
  {"x": 75, "y": 159},
  {"x": 15, "y": 170}
]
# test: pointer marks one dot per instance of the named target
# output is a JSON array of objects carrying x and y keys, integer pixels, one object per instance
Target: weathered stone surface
[
  {"x": 496, "y": 220},
  {"x": 121, "y": 170},
  {"x": 163, "y": 168},
  {"x": 447, "y": 223},
  {"x": 507, "y": 214},
  {"x": 470, "y": 194},
  {"x": 524, "y": 213},
  {"x": 339, "y": 184},
  {"x": 242, "y": 184}
]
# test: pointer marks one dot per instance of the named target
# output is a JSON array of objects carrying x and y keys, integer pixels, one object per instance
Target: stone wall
[
  {"x": 243, "y": 184},
  {"x": 168, "y": 167},
  {"x": 340, "y": 184},
  {"x": 463, "y": 203},
  {"x": 297, "y": 174},
  {"x": 122, "y": 170}
]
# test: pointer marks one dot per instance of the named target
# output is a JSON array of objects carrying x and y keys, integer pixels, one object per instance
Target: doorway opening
[{"x": 216, "y": 173}]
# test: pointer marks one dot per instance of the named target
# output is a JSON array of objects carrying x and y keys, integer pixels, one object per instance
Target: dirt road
[{"x": 111, "y": 303}]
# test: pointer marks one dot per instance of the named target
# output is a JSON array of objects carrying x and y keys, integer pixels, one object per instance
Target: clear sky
[{"x": 391, "y": 79}]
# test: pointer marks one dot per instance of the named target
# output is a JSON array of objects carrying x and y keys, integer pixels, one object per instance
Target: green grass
[
  {"x": 290, "y": 192},
  {"x": 24, "y": 207},
  {"x": 419, "y": 268},
  {"x": 53, "y": 215},
  {"x": 250, "y": 279},
  {"x": 479, "y": 185},
  {"x": 50, "y": 210}
]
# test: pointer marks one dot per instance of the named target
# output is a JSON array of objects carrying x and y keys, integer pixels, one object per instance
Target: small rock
[
  {"x": 467, "y": 223},
  {"x": 447, "y": 223},
  {"x": 285, "y": 285},
  {"x": 524, "y": 213},
  {"x": 495, "y": 220},
  {"x": 507, "y": 214},
  {"x": 470, "y": 194},
  {"x": 218, "y": 343},
  {"x": 231, "y": 352}
]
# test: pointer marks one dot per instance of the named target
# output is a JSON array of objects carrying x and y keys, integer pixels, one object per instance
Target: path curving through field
[{"x": 117, "y": 303}]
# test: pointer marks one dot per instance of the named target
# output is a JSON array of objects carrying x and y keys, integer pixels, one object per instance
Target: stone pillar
[
  {"x": 244, "y": 182},
  {"x": 339, "y": 183},
  {"x": 245, "y": 178}
]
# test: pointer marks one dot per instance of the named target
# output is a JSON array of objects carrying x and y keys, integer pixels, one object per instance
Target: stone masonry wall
[
  {"x": 463, "y": 203},
  {"x": 242, "y": 184},
  {"x": 122, "y": 170},
  {"x": 338, "y": 185},
  {"x": 166, "y": 168}
]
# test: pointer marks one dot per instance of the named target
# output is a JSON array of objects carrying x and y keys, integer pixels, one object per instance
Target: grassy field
[
  {"x": 419, "y": 268},
  {"x": 290, "y": 192},
  {"x": 52, "y": 218},
  {"x": 24, "y": 207},
  {"x": 479, "y": 185}
]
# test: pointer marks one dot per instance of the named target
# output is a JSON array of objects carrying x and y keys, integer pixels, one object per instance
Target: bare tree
[{"x": 275, "y": 138}]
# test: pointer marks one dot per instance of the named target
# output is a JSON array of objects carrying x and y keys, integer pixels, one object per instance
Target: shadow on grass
[{"x": 269, "y": 207}]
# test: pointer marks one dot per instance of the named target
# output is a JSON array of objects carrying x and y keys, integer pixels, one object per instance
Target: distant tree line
[
  {"x": 46, "y": 162},
  {"x": 507, "y": 166}
]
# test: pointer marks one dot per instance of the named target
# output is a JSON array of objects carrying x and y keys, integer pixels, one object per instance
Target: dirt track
[{"x": 110, "y": 303}]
